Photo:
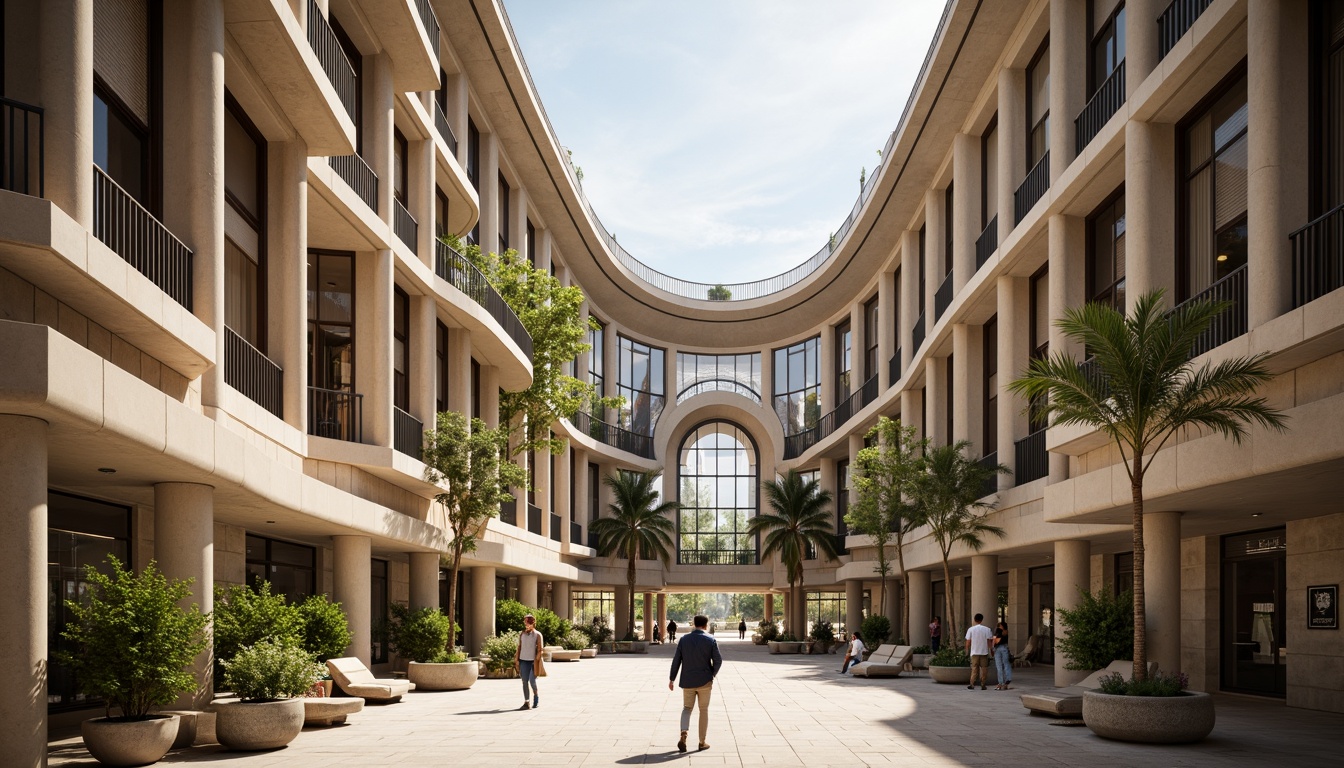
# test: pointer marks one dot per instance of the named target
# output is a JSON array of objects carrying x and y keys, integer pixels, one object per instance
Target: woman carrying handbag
[{"x": 527, "y": 660}]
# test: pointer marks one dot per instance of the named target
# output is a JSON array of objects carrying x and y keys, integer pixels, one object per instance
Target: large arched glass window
[{"x": 718, "y": 484}]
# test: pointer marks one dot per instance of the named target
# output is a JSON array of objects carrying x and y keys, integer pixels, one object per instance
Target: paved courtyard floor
[{"x": 766, "y": 710}]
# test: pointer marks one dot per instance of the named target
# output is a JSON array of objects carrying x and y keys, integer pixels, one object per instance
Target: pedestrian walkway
[{"x": 766, "y": 710}]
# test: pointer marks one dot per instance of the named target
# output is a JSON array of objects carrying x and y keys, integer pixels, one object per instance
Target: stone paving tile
[{"x": 766, "y": 710}]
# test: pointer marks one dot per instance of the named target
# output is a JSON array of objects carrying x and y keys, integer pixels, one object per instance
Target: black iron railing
[
  {"x": 408, "y": 433},
  {"x": 1318, "y": 257},
  {"x": 22, "y": 148},
  {"x": 445, "y": 130},
  {"x": 250, "y": 372},
  {"x": 1231, "y": 322},
  {"x": 1031, "y": 462},
  {"x": 1175, "y": 22},
  {"x": 592, "y": 540},
  {"x": 1091, "y": 370},
  {"x": 1103, "y": 104},
  {"x": 716, "y": 556},
  {"x": 799, "y": 442},
  {"x": 404, "y": 224},
  {"x": 917, "y": 333},
  {"x": 136, "y": 236},
  {"x": 1031, "y": 189},
  {"x": 431, "y": 24},
  {"x": 575, "y": 533},
  {"x": 335, "y": 414},
  {"x": 616, "y": 437},
  {"x": 508, "y": 511},
  {"x": 868, "y": 392},
  {"x": 894, "y": 368},
  {"x": 991, "y": 486},
  {"x": 534, "y": 519},
  {"x": 987, "y": 243},
  {"x": 359, "y": 176},
  {"x": 719, "y": 385},
  {"x": 464, "y": 276},
  {"x": 333, "y": 60},
  {"x": 556, "y": 524},
  {"x": 942, "y": 298}
]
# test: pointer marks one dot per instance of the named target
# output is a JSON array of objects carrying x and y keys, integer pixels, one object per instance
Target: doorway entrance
[{"x": 1253, "y": 652}]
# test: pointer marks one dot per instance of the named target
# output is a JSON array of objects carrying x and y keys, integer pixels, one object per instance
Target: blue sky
[{"x": 722, "y": 141}]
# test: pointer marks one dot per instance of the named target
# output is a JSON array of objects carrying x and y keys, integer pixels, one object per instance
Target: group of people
[{"x": 981, "y": 643}]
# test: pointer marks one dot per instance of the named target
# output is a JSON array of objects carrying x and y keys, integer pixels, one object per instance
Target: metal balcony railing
[
  {"x": 534, "y": 519},
  {"x": 464, "y": 276},
  {"x": 616, "y": 437},
  {"x": 894, "y": 368},
  {"x": 575, "y": 533},
  {"x": 253, "y": 374},
  {"x": 335, "y": 414},
  {"x": 431, "y": 24},
  {"x": 1031, "y": 462},
  {"x": 1175, "y": 22},
  {"x": 719, "y": 385},
  {"x": 1103, "y": 104},
  {"x": 942, "y": 298},
  {"x": 796, "y": 444},
  {"x": 359, "y": 176},
  {"x": 404, "y": 224},
  {"x": 333, "y": 60},
  {"x": 140, "y": 239},
  {"x": 408, "y": 433},
  {"x": 1031, "y": 189},
  {"x": 868, "y": 392},
  {"x": 991, "y": 486},
  {"x": 917, "y": 334},
  {"x": 987, "y": 243},
  {"x": 445, "y": 130},
  {"x": 1318, "y": 257},
  {"x": 22, "y": 148},
  {"x": 1231, "y": 322},
  {"x": 508, "y": 511},
  {"x": 556, "y": 524}
]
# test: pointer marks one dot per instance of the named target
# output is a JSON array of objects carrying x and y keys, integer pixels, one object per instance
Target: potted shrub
[
  {"x": 421, "y": 636},
  {"x": 268, "y": 678},
  {"x": 497, "y": 653},
  {"x": 920, "y": 655},
  {"x": 1099, "y": 630},
  {"x": 133, "y": 644},
  {"x": 1158, "y": 710},
  {"x": 573, "y": 644},
  {"x": 600, "y": 633},
  {"x": 823, "y": 635},
  {"x": 875, "y": 631},
  {"x": 951, "y": 665},
  {"x": 785, "y": 642},
  {"x": 245, "y": 616},
  {"x": 324, "y": 631},
  {"x": 765, "y": 632}
]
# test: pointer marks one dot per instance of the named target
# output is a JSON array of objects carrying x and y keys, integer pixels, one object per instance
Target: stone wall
[{"x": 1315, "y": 656}]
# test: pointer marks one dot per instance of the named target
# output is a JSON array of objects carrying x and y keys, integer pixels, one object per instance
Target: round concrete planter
[
  {"x": 607, "y": 647},
  {"x": 136, "y": 742},
  {"x": 1181, "y": 719},
  {"x": 442, "y": 677},
  {"x": 920, "y": 660},
  {"x": 247, "y": 726},
  {"x": 950, "y": 675}
]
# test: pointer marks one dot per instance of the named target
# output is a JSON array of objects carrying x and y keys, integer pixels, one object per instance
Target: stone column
[
  {"x": 480, "y": 615},
  {"x": 373, "y": 344},
  {"x": 936, "y": 371},
  {"x": 858, "y": 344},
  {"x": 1068, "y": 78},
  {"x": 564, "y": 470},
  {"x": 1014, "y": 352},
  {"x": 1277, "y": 134},
  {"x": 287, "y": 274},
  {"x": 545, "y": 245},
  {"x": 921, "y": 606},
  {"x": 560, "y": 599},
  {"x": 910, "y": 271},
  {"x": 1012, "y": 143},
  {"x": 1162, "y": 588},
  {"x": 459, "y": 371},
  {"x": 985, "y": 588},
  {"x": 425, "y": 580},
  {"x": 853, "y": 605},
  {"x": 527, "y": 590},
  {"x": 23, "y": 601},
  {"x": 353, "y": 590},
  {"x": 624, "y": 621},
  {"x": 826, "y": 369},
  {"x": 489, "y": 176},
  {"x": 1150, "y": 209},
  {"x": 912, "y": 411},
  {"x": 887, "y": 336},
  {"x": 1141, "y": 53},
  {"x": 421, "y": 167},
  {"x": 965, "y": 206},
  {"x": 64, "y": 88},
  {"x": 968, "y": 383},
  {"x": 379, "y": 123},
  {"x": 490, "y": 396},
  {"x": 424, "y": 360},
  {"x": 543, "y": 489},
  {"x": 582, "y": 493},
  {"x": 770, "y": 606},
  {"x": 457, "y": 113},
  {"x": 648, "y": 615},
  {"x": 1067, "y": 236},
  {"x": 934, "y": 234},
  {"x": 1073, "y": 573},
  {"x": 184, "y": 546}
]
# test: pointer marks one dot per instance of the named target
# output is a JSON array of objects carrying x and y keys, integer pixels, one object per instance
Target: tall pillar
[
  {"x": 379, "y": 122},
  {"x": 560, "y": 599},
  {"x": 648, "y": 615},
  {"x": 481, "y": 613},
  {"x": 934, "y": 237},
  {"x": 858, "y": 343},
  {"x": 422, "y": 167},
  {"x": 1012, "y": 140},
  {"x": 1073, "y": 573},
  {"x": 965, "y": 206},
  {"x": 1150, "y": 210},
  {"x": 354, "y": 585},
  {"x": 1068, "y": 80},
  {"x": 770, "y": 606},
  {"x": 23, "y": 601},
  {"x": 64, "y": 48},
  {"x": 911, "y": 269},
  {"x": 624, "y": 621},
  {"x": 563, "y": 484},
  {"x": 287, "y": 274},
  {"x": 582, "y": 493},
  {"x": 921, "y": 605},
  {"x": 1067, "y": 244},
  {"x": 489, "y": 191},
  {"x": 1014, "y": 352},
  {"x": 887, "y": 337},
  {"x": 826, "y": 370},
  {"x": 912, "y": 411},
  {"x": 527, "y": 590},
  {"x": 936, "y": 371},
  {"x": 853, "y": 605},
  {"x": 490, "y": 396},
  {"x": 424, "y": 580},
  {"x": 424, "y": 360},
  {"x": 459, "y": 371},
  {"x": 968, "y": 382},
  {"x": 985, "y": 588},
  {"x": 1162, "y": 588},
  {"x": 373, "y": 340},
  {"x": 184, "y": 546},
  {"x": 1141, "y": 54},
  {"x": 1277, "y": 136}
]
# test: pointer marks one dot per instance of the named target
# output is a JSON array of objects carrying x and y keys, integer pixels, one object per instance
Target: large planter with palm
[
  {"x": 799, "y": 519},
  {"x": 132, "y": 647},
  {"x": 1142, "y": 389},
  {"x": 638, "y": 525}
]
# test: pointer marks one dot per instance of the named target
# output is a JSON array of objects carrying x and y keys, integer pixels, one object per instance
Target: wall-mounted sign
[{"x": 1323, "y": 607}]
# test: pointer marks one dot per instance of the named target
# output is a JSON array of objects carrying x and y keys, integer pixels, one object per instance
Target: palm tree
[
  {"x": 948, "y": 495},
  {"x": 800, "y": 520},
  {"x": 638, "y": 525},
  {"x": 1143, "y": 390}
]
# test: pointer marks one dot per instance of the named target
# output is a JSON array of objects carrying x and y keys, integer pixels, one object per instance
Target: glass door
[
  {"x": 1254, "y": 648},
  {"x": 1043, "y": 611}
]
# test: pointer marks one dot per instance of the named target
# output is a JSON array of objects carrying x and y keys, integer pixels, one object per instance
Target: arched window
[{"x": 718, "y": 491}]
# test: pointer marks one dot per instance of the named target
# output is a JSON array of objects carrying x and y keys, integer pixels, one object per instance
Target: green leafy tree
[
  {"x": 876, "y": 628},
  {"x": 799, "y": 520},
  {"x": 271, "y": 670},
  {"x": 751, "y": 606},
  {"x": 245, "y": 616},
  {"x": 719, "y": 293},
  {"x": 323, "y": 628},
  {"x": 884, "y": 507},
  {"x": 420, "y": 634},
  {"x": 948, "y": 494},
  {"x": 684, "y": 606},
  {"x": 638, "y": 525},
  {"x": 469, "y": 462},
  {"x": 1099, "y": 630},
  {"x": 1147, "y": 389},
  {"x": 132, "y": 641}
]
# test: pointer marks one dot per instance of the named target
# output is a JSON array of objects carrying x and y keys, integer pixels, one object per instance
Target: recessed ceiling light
[
  {"x": 1222, "y": 257},
  {"x": 107, "y": 470},
  {"x": 1256, "y": 514}
]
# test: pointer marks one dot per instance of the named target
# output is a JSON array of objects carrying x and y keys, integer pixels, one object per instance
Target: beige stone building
[{"x": 225, "y": 317}]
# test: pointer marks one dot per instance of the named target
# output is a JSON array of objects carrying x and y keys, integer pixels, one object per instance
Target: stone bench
[{"x": 326, "y": 711}]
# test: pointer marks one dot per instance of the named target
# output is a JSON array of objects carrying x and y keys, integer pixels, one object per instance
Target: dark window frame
[
  {"x": 257, "y": 222},
  {"x": 1111, "y": 32},
  {"x": 1108, "y": 293},
  {"x": 313, "y": 324},
  {"x": 989, "y": 423},
  {"x": 844, "y": 359},
  {"x": 356, "y": 59},
  {"x": 401, "y": 169},
  {"x": 987, "y": 194},
  {"x": 754, "y": 457},
  {"x": 1042, "y": 54},
  {"x": 401, "y": 316},
  {"x": 505, "y": 203},
  {"x": 871, "y": 323},
  {"x": 779, "y": 375},
  {"x": 443, "y": 367}
]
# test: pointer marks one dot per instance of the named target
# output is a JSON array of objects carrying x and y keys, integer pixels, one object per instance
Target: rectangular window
[
  {"x": 1215, "y": 169},
  {"x": 1040, "y": 337},
  {"x": 949, "y": 395},
  {"x": 475, "y": 389},
  {"x": 989, "y": 173},
  {"x": 290, "y": 568},
  {"x": 1106, "y": 254},
  {"x": 401, "y": 349},
  {"x": 948, "y": 231},
  {"x": 244, "y": 226},
  {"x": 531, "y": 246},
  {"x": 844, "y": 360},
  {"x": 870, "y": 334},
  {"x": 441, "y": 358},
  {"x": 441, "y": 95},
  {"x": 640, "y": 380},
  {"x": 331, "y": 320},
  {"x": 593, "y": 605},
  {"x": 440, "y": 213},
  {"x": 841, "y": 500},
  {"x": 1108, "y": 42},
  {"x": 1327, "y": 107},
  {"x": 378, "y": 604},
  {"x": 797, "y": 385},
  {"x": 923, "y": 272},
  {"x": 121, "y": 146},
  {"x": 504, "y": 206},
  {"x": 1038, "y": 106},
  {"x": 989, "y": 434},
  {"x": 597, "y": 341},
  {"x": 400, "y": 160}
]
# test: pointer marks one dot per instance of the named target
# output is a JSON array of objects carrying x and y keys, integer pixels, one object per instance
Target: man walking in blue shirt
[{"x": 698, "y": 659}]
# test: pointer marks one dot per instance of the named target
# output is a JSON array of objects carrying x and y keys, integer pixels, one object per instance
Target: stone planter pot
[
  {"x": 607, "y": 647},
  {"x": 1181, "y": 719},
  {"x": 920, "y": 660},
  {"x": 137, "y": 742},
  {"x": 442, "y": 677},
  {"x": 639, "y": 646},
  {"x": 248, "y": 726},
  {"x": 588, "y": 653},
  {"x": 776, "y": 646}
]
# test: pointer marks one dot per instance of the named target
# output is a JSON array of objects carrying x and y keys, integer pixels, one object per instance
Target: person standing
[
  {"x": 698, "y": 659},
  {"x": 936, "y": 632},
  {"x": 1003, "y": 661},
  {"x": 742, "y": 630},
  {"x": 854, "y": 654},
  {"x": 525, "y": 660},
  {"x": 978, "y": 640},
  {"x": 671, "y": 631}
]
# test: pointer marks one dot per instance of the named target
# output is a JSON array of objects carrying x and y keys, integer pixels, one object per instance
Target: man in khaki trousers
[{"x": 698, "y": 659}]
